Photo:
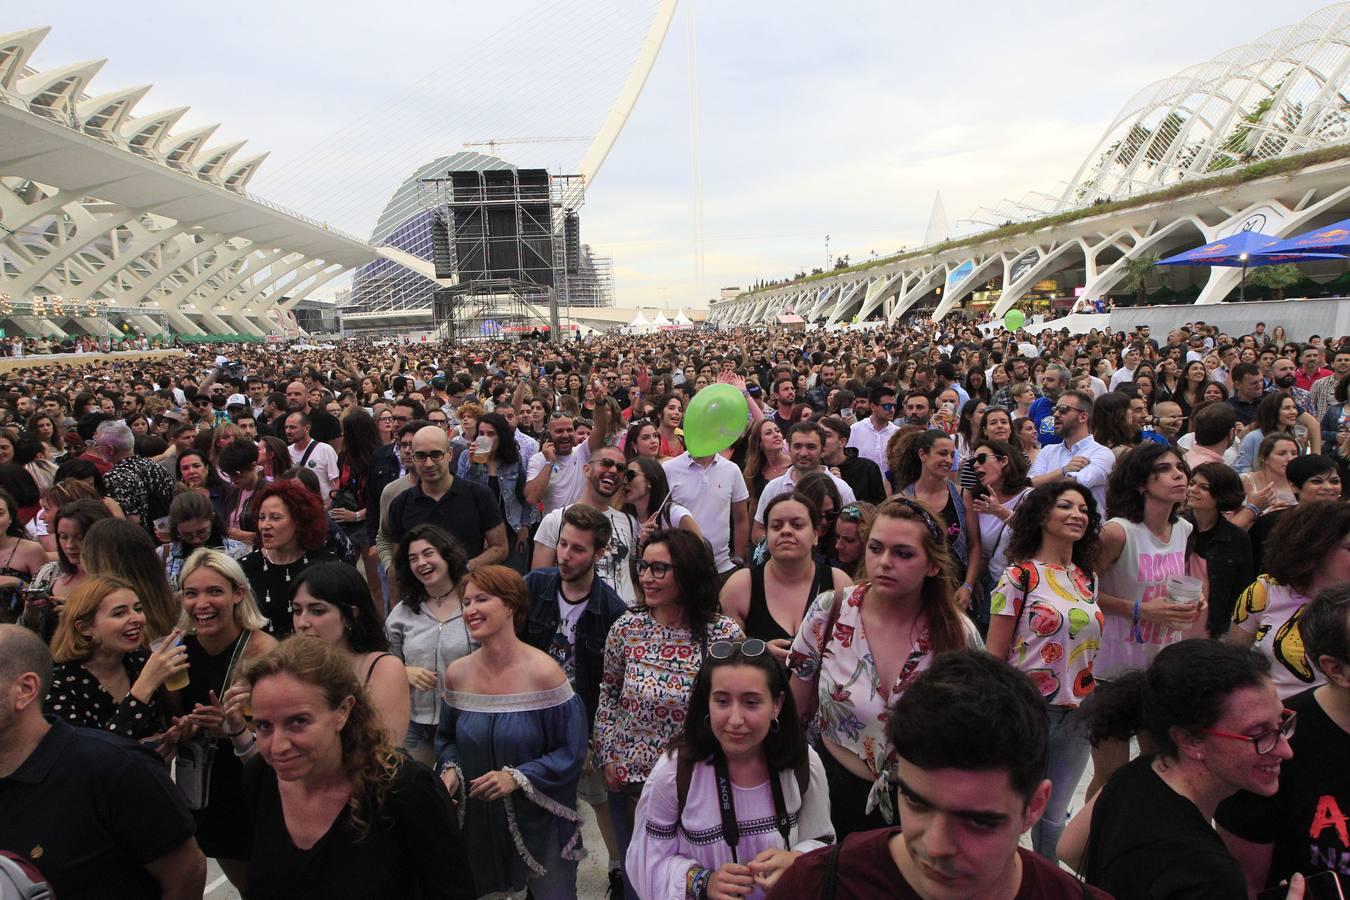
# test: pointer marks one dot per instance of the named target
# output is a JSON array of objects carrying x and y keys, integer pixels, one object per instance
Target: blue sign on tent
[{"x": 489, "y": 327}]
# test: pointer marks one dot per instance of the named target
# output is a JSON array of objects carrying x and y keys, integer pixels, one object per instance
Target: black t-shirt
[
  {"x": 867, "y": 871},
  {"x": 1148, "y": 841},
  {"x": 1308, "y": 819},
  {"x": 468, "y": 511},
  {"x": 89, "y": 809},
  {"x": 412, "y": 850}
]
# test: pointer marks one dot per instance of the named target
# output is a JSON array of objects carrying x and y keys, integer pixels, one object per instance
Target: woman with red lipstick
[
  {"x": 1045, "y": 622},
  {"x": 1212, "y": 712},
  {"x": 102, "y": 678}
]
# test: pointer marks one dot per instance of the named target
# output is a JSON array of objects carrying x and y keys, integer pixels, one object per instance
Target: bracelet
[
  {"x": 701, "y": 884},
  {"x": 1255, "y": 510},
  {"x": 1135, "y": 634},
  {"x": 244, "y": 751},
  {"x": 235, "y": 734},
  {"x": 691, "y": 881},
  {"x": 968, "y": 586}
]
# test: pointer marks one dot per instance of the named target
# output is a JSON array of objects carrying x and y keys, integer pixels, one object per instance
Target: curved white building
[{"x": 1180, "y": 165}]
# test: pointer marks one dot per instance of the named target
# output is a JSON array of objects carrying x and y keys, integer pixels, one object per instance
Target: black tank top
[{"x": 760, "y": 623}]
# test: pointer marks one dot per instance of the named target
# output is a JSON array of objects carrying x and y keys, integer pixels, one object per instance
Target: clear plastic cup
[
  {"x": 482, "y": 448},
  {"x": 1184, "y": 590},
  {"x": 180, "y": 680}
]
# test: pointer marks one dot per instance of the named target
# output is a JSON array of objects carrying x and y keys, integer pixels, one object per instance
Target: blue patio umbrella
[
  {"x": 1246, "y": 248},
  {"x": 1329, "y": 240}
]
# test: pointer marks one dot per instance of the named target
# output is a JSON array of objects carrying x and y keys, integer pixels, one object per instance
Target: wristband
[
  {"x": 968, "y": 586},
  {"x": 235, "y": 734},
  {"x": 1255, "y": 510},
  {"x": 246, "y": 748},
  {"x": 1136, "y": 634}
]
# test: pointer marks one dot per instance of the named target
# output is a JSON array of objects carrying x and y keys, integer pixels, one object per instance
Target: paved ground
[{"x": 592, "y": 877}]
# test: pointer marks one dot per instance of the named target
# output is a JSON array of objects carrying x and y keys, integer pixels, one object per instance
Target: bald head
[
  {"x": 431, "y": 456},
  {"x": 22, "y": 656},
  {"x": 297, "y": 396}
]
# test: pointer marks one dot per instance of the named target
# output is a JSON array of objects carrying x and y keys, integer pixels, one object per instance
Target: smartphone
[{"x": 1321, "y": 886}]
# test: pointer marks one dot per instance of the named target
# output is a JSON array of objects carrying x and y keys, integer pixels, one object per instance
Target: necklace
[
  {"x": 286, "y": 570},
  {"x": 440, "y": 597}
]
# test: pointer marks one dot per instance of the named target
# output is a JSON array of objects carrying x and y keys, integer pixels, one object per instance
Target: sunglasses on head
[{"x": 727, "y": 649}]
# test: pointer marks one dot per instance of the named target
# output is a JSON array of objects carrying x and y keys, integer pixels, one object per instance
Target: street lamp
[{"x": 1242, "y": 287}]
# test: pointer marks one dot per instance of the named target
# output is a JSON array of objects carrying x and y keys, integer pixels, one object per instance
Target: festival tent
[
  {"x": 682, "y": 319},
  {"x": 660, "y": 321},
  {"x": 640, "y": 324}
]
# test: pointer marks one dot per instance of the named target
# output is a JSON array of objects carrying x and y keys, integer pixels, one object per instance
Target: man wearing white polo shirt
[
  {"x": 1079, "y": 457},
  {"x": 806, "y": 443},
  {"x": 713, "y": 489},
  {"x": 871, "y": 435}
]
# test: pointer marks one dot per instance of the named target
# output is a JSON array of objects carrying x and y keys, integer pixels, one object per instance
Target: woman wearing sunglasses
[
  {"x": 1216, "y": 719},
  {"x": 742, "y": 741},
  {"x": 1046, "y": 623},
  {"x": 1001, "y": 484},
  {"x": 652, "y": 655},
  {"x": 770, "y": 600},
  {"x": 646, "y": 497},
  {"x": 859, "y": 648}
]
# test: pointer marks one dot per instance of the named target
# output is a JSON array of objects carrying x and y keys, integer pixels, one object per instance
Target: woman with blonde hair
[
  {"x": 337, "y": 811},
  {"x": 102, "y": 678},
  {"x": 122, "y": 549},
  {"x": 222, "y": 631}
]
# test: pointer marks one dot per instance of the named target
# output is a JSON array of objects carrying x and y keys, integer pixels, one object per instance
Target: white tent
[
  {"x": 682, "y": 319},
  {"x": 640, "y": 324},
  {"x": 660, "y": 321}
]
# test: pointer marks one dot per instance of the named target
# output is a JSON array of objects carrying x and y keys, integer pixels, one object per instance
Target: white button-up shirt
[
  {"x": 708, "y": 494},
  {"x": 788, "y": 480},
  {"x": 871, "y": 441},
  {"x": 1101, "y": 461}
]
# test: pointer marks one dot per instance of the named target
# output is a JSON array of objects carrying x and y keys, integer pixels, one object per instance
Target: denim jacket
[
  {"x": 956, "y": 534},
  {"x": 518, "y": 513},
  {"x": 602, "y": 611}
]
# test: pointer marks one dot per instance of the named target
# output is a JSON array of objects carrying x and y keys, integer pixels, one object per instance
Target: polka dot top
[{"x": 77, "y": 697}]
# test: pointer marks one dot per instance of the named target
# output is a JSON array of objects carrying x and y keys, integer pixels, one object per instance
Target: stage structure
[{"x": 508, "y": 242}]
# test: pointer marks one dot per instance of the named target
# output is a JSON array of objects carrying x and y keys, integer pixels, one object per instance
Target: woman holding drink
[
  {"x": 102, "y": 678},
  {"x": 493, "y": 460},
  {"x": 222, "y": 633}
]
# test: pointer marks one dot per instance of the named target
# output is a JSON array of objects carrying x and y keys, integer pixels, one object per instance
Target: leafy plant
[
  {"x": 1139, "y": 271},
  {"x": 1276, "y": 278}
]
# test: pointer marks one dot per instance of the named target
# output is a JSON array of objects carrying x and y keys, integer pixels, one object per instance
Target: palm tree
[
  {"x": 1139, "y": 272},
  {"x": 1276, "y": 278}
]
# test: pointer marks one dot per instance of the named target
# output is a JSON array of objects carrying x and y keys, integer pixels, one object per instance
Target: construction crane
[{"x": 493, "y": 143}]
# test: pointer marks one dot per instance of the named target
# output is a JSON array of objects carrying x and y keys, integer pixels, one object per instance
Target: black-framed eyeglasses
[
  {"x": 749, "y": 648},
  {"x": 659, "y": 570},
  {"x": 830, "y": 515},
  {"x": 424, "y": 455},
  {"x": 1265, "y": 742},
  {"x": 399, "y": 419},
  {"x": 982, "y": 458}
]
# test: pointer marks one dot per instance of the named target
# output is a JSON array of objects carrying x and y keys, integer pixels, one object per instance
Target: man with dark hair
[
  {"x": 1248, "y": 389},
  {"x": 1323, "y": 390},
  {"x": 863, "y": 475},
  {"x": 818, "y": 395},
  {"x": 1077, "y": 455},
  {"x": 1302, "y": 828},
  {"x": 971, "y": 741},
  {"x": 918, "y": 408},
  {"x": 806, "y": 443},
  {"x": 1213, "y": 428},
  {"x": 945, "y": 372},
  {"x": 95, "y": 813},
  {"x": 306, "y": 452},
  {"x": 784, "y": 398},
  {"x": 870, "y": 436},
  {"x": 570, "y": 612}
]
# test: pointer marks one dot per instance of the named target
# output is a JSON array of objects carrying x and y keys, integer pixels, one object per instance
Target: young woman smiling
[
  {"x": 333, "y": 602},
  {"x": 742, "y": 730},
  {"x": 512, "y": 725},
  {"x": 222, "y": 633},
  {"x": 769, "y": 601},
  {"x": 646, "y": 497},
  {"x": 102, "y": 678},
  {"x": 925, "y": 463},
  {"x": 426, "y": 628}
]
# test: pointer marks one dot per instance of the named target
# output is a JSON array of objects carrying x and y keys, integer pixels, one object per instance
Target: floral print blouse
[
  {"x": 649, "y": 673},
  {"x": 77, "y": 697},
  {"x": 852, "y": 710}
]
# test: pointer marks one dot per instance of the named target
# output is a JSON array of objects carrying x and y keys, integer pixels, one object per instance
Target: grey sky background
[{"x": 816, "y": 119}]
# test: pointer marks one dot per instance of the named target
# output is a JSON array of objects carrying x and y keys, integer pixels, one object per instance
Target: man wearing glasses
[
  {"x": 463, "y": 508},
  {"x": 1078, "y": 455},
  {"x": 870, "y": 436}
]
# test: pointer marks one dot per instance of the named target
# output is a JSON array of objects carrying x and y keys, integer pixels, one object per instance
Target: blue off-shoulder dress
[{"x": 531, "y": 838}]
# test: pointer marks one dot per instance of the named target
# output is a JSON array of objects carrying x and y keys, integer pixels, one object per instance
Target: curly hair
[
  {"x": 305, "y": 508},
  {"x": 444, "y": 543},
  {"x": 1028, "y": 524},
  {"x": 695, "y": 575},
  {"x": 910, "y": 462},
  {"x": 369, "y": 761},
  {"x": 1303, "y": 539},
  {"x": 1128, "y": 480}
]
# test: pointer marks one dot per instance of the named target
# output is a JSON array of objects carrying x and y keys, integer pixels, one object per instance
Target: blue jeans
[{"x": 1068, "y": 755}]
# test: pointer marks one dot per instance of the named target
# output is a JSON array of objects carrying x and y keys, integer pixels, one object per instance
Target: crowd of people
[{"x": 395, "y": 621}]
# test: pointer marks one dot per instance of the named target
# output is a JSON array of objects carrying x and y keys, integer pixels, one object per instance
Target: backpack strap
[{"x": 831, "y": 871}]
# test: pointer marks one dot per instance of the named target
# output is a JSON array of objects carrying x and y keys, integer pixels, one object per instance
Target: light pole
[
  {"x": 827, "y": 253},
  {"x": 1242, "y": 287}
]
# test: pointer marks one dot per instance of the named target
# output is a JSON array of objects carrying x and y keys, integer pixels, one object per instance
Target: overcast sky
[{"x": 842, "y": 120}]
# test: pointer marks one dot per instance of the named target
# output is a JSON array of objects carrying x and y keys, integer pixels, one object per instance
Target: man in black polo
[
  {"x": 96, "y": 814},
  {"x": 465, "y": 509},
  {"x": 1248, "y": 389}
]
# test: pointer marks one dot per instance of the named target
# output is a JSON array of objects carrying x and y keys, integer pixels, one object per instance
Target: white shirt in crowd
[
  {"x": 614, "y": 566},
  {"x": 787, "y": 481},
  {"x": 564, "y": 485},
  {"x": 1093, "y": 476},
  {"x": 708, "y": 494},
  {"x": 323, "y": 462},
  {"x": 871, "y": 442}
]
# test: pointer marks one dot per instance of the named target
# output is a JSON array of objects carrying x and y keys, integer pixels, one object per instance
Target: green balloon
[
  {"x": 1013, "y": 319},
  {"x": 716, "y": 417}
]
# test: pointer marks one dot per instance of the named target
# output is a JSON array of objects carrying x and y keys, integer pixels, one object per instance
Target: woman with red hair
[{"x": 292, "y": 528}]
